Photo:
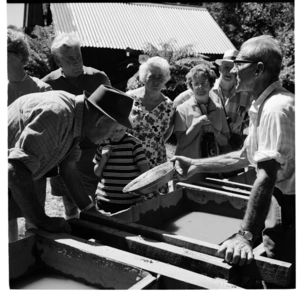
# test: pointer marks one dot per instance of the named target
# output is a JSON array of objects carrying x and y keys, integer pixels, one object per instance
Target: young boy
[{"x": 119, "y": 160}]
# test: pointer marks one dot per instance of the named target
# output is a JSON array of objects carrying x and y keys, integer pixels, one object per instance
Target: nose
[{"x": 233, "y": 71}]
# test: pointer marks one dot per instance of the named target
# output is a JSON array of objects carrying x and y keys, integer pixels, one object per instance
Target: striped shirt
[
  {"x": 236, "y": 106},
  {"x": 45, "y": 128},
  {"x": 274, "y": 137},
  {"x": 120, "y": 169}
]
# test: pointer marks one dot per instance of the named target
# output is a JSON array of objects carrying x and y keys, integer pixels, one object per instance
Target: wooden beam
[
  {"x": 227, "y": 183},
  {"x": 152, "y": 233},
  {"x": 269, "y": 270},
  {"x": 184, "y": 258},
  {"x": 58, "y": 249},
  {"x": 225, "y": 188}
]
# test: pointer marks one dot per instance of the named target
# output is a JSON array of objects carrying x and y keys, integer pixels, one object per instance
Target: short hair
[
  {"x": 155, "y": 61},
  {"x": 264, "y": 48},
  {"x": 67, "y": 40},
  {"x": 16, "y": 42},
  {"x": 203, "y": 68}
]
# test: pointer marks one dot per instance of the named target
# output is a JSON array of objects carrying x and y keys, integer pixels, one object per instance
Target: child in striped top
[{"x": 119, "y": 160}]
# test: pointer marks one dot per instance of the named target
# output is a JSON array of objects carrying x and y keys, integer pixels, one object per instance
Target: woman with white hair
[
  {"x": 19, "y": 82},
  {"x": 152, "y": 112}
]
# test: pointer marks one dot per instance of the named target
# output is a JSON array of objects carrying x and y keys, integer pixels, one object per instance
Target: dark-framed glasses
[{"x": 238, "y": 62}]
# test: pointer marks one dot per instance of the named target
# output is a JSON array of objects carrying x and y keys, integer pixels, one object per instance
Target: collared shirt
[
  {"x": 182, "y": 97},
  {"x": 43, "y": 128},
  {"x": 272, "y": 134},
  {"x": 189, "y": 111},
  {"x": 236, "y": 105},
  {"x": 88, "y": 81},
  {"x": 27, "y": 85}
]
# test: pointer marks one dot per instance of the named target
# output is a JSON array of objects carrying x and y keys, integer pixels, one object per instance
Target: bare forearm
[
  {"x": 260, "y": 200},
  {"x": 23, "y": 191},
  {"x": 74, "y": 183},
  {"x": 223, "y": 163}
]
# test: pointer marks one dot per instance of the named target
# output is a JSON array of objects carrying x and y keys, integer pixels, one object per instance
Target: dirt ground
[{"x": 54, "y": 206}]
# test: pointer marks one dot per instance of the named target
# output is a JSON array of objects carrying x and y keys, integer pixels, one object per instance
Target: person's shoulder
[
  {"x": 41, "y": 84},
  {"x": 54, "y": 75},
  {"x": 93, "y": 71},
  {"x": 129, "y": 138},
  {"x": 279, "y": 100}
]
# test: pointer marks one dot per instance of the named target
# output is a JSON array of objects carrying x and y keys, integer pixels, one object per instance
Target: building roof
[{"x": 123, "y": 25}]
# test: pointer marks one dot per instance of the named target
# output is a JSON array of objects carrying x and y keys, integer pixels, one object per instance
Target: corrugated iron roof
[{"x": 122, "y": 25}]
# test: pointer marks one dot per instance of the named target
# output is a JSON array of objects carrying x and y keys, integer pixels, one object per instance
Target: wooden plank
[
  {"x": 61, "y": 246},
  {"x": 225, "y": 188},
  {"x": 152, "y": 233},
  {"x": 184, "y": 258},
  {"x": 64, "y": 255},
  {"x": 227, "y": 183},
  {"x": 268, "y": 270},
  {"x": 144, "y": 283}
]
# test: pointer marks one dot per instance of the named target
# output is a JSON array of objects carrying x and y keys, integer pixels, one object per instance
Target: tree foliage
[
  {"x": 41, "y": 61},
  {"x": 181, "y": 60},
  {"x": 241, "y": 21}
]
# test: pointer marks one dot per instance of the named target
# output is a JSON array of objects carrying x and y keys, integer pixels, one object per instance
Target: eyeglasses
[{"x": 238, "y": 62}]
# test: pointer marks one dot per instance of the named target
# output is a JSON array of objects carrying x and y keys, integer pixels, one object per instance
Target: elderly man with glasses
[{"x": 270, "y": 147}]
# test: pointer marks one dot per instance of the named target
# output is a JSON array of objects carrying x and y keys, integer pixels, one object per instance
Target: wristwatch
[{"x": 246, "y": 234}]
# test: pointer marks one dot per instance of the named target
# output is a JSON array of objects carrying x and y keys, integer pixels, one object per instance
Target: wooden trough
[
  {"x": 145, "y": 247},
  {"x": 142, "y": 230}
]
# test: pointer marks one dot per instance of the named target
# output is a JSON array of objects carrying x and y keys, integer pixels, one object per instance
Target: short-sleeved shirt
[
  {"x": 120, "y": 169},
  {"x": 26, "y": 86},
  {"x": 44, "y": 128},
  {"x": 274, "y": 137},
  {"x": 236, "y": 106},
  {"x": 88, "y": 81}
]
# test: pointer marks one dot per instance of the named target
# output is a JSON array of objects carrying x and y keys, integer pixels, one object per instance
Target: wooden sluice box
[
  {"x": 184, "y": 229},
  {"x": 147, "y": 246}
]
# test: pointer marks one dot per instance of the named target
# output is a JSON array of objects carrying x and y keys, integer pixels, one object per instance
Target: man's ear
[{"x": 259, "y": 69}]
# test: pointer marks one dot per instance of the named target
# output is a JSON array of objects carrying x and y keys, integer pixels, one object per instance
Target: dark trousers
[{"x": 279, "y": 235}]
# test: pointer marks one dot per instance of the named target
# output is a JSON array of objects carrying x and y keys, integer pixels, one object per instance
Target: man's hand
[
  {"x": 55, "y": 225},
  {"x": 237, "y": 250},
  {"x": 183, "y": 167}
]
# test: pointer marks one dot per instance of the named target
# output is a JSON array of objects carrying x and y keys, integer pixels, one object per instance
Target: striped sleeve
[{"x": 139, "y": 154}]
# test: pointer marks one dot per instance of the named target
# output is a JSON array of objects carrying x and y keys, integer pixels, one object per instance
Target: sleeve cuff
[
  {"x": 30, "y": 161},
  {"x": 269, "y": 155}
]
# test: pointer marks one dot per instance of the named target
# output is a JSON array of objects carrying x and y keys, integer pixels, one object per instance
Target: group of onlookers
[{"x": 92, "y": 140}]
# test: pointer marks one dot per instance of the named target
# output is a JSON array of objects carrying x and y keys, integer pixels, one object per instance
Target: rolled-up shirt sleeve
[{"x": 276, "y": 138}]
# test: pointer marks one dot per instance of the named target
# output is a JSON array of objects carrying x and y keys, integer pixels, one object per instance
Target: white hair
[
  {"x": 155, "y": 61},
  {"x": 66, "y": 40}
]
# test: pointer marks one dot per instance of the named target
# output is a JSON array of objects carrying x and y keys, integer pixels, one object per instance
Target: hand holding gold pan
[{"x": 151, "y": 180}]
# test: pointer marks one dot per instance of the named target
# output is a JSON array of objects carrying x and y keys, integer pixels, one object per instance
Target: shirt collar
[
  {"x": 217, "y": 86},
  {"x": 211, "y": 106},
  {"x": 60, "y": 73},
  {"x": 256, "y": 104}
]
